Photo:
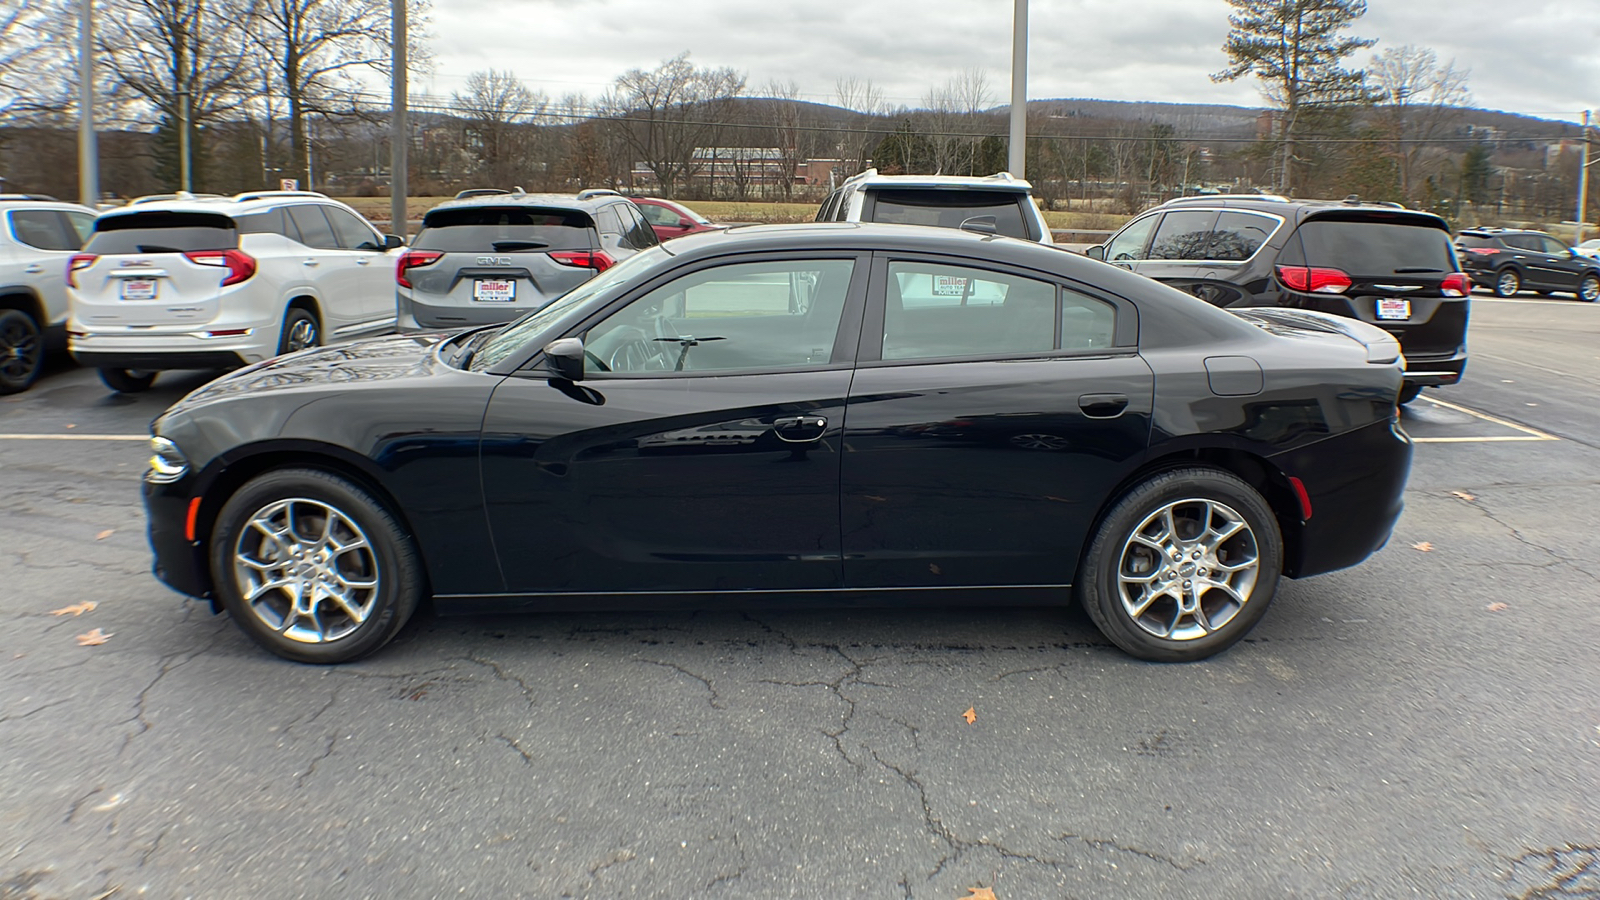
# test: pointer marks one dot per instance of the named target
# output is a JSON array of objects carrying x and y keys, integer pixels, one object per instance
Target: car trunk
[
  {"x": 143, "y": 273},
  {"x": 500, "y": 258}
]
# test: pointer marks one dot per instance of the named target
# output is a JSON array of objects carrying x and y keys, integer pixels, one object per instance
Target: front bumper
[
  {"x": 1356, "y": 482},
  {"x": 180, "y": 563}
]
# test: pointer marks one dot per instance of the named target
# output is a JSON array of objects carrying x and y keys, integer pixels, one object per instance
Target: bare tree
[
  {"x": 27, "y": 44},
  {"x": 1418, "y": 99},
  {"x": 791, "y": 132},
  {"x": 854, "y": 146},
  {"x": 499, "y": 110},
  {"x": 671, "y": 110}
]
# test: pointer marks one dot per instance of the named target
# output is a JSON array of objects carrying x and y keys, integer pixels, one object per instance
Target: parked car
[
  {"x": 494, "y": 255},
  {"x": 1376, "y": 262},
  {"x": 996, "y": 201},
  {"x": 1510, "y": 260},
  {"x": 40, "y": 234},
  {"x": 670, "y": 219},
  {"x": 1589, "y": 248},
  {"x": 875, "y": 414},
  {"x": 220, "y": 282}
]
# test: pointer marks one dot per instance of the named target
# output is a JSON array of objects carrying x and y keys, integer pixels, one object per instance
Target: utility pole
[
  {"x": 1583, "y": 179},
  {"x": 185, "y": 177},
  {"x": 88, "y": 153},
  {"x": 398, "y": 134},
  {"x": 1018, "y": 149}
]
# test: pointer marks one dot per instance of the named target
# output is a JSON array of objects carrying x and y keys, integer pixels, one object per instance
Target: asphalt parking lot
[{"x": 1427, "y": 724}]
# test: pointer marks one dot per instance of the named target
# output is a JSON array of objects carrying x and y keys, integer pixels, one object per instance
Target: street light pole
[
  {"x": 88, "y": 153},
  {"x": 185, "y": 180},
  {"x": 1583, "y": 179},
  {"x": 398, "y": 138},
  {"x": 1018, "y": 150}
]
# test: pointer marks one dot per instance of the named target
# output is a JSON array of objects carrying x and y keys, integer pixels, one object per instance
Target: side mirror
[
  {"x": 393, "y": 242},
  {"x": 564, "y": 358},
  {"x": 1098, "y": 251}
]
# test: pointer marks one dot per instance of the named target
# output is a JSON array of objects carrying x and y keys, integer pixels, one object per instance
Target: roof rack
[
  {"x": 176, "y": 195},
  {"x": 262, "y": 195},
  {"x": 589, "y": 193},
  {"x": 40, "y": 197},
  {"x": 479, "y": 192}
]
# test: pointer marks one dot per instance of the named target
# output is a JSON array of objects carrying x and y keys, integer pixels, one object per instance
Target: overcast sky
[{"x": 1538, "y": 57}]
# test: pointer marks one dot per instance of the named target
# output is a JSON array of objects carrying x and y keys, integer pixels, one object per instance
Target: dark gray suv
[{"x": 491, "y": 255}]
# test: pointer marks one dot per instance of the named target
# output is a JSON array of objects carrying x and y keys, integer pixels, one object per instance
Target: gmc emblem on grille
[{"x": 494, "y": 260}]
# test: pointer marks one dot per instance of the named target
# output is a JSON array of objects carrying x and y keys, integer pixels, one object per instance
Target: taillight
[
  {"x": 583, "y": 259},
  {"x": 1313, "y": 280},
  {"x": 1482, "y": 251},
  {"x": 412, "y": 259},
  {"x": 78, "y": 262},
  {"x": 1456, "y": 284},
  {"x": 240, "y": 265}
]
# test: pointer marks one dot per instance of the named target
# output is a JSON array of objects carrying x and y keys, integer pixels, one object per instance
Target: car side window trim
[{"x": 1277, "y": 227}]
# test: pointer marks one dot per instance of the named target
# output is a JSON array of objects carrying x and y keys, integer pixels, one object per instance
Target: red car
[{"x": 671, "y": 219}]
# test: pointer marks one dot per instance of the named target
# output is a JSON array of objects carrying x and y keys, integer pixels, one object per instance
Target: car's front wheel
[
  {"x": 21, "y": 351},
  {"x": 1183, "y": 565},
  {"x": 312, "y": 567},
  {"x": 1589, "y": 288},
  {"x": 128, "y": 381},
  {"x": 1507, "y": 282}
]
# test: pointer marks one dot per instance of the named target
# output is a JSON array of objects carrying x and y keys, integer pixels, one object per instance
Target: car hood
[{"x": 340, "y": 365}]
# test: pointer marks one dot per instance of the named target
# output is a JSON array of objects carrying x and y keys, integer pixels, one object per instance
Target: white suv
[
  {"x": 218, "y": 282},
  {"x": 37, "y": 237},
  {"x": 999, "y": 202}
]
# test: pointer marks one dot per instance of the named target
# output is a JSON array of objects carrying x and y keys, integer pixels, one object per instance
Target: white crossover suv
[
  {"x": 37, "y": 236},
  {"x": 197, "y": 282},
  {"x": 998, "y": 203}
]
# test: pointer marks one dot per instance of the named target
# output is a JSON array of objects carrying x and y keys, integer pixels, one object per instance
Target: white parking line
[
  {"x": 74, "y": 437},
  {"x": 1528, "y": 434}
]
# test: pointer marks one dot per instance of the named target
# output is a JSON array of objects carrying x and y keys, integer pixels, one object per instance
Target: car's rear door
[
  {"x": 50, "y": 239},
  {"x": 991, "y": 413},
  {"x": 701, "y": 450},
  {"x": 1558, "y": 268},
  {"x": 374, "y": 266},
  {"x": 136, "y": 271}
]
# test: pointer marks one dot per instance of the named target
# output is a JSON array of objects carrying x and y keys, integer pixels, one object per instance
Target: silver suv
[
  {"x": 998, "y": 202},
  {"x": 37, "y": 236},
  {"x": 217, "y": 282},
  {"x": 491, "y": 255}
]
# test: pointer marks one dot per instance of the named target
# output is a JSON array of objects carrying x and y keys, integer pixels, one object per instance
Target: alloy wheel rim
[
  {"x": 19, "y": 350},
  {"x": 1590, "y": 290},
  {"x": 306, "y": 570},
  {"x": 1188, "y": 569},
  {"x": 1509, "y": 282},
  {"x": 302, "y": 334}
]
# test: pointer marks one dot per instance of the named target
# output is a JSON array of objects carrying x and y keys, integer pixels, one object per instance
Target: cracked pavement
[{"x": 1383, "y": 733}]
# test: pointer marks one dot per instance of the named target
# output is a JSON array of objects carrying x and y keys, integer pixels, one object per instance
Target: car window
[
  {"x": 934, "y": 311},
  {"x": 42, "y": 229},
  {"x": 1238, "y": 235},
  {"x": 353, "y": 234},
  {"x": 1524, "y": 242},
  {"x": 762, "y": 315},
  {"x": 504, "y": 229},
  {"x": 635, "y": 232},
  {"x": 1183, "y": 234},
  {"x": 162, "y": 232},
  {"x": 1471, "y": 240},
  {"x": 948, "y": 209},
  {"x": 1087, "y": 323},
  {"x": 315, "y": 232},
  {"x": 268, "y": 222},
  {"x": 1369, "y": 247},
  {"x": 658, "y": 215},
  {"x": 1130, "y": 244},
  {"x": 82, "y": 225},
  {"x": 1551, "y": 245},
  {"x": 825, "y": 214}
]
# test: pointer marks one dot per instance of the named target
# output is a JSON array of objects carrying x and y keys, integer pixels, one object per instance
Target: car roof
[
  {"x": 587, "y": 201},
  {"x": 38, "y": 201},
  {"x": 1306, "y": 208},
  {"x": 999, "y": 181},
  {"x": 238, "y": 204}
]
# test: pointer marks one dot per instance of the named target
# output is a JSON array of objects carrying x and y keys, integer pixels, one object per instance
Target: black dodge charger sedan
[{"x": 822, "y": 413}]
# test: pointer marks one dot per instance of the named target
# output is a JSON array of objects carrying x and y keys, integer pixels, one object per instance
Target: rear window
[
  {"x": 482, "y": 229},
  {"x": 948, "y": 209},
  {"x": 1472, "y": 240},
  {"x": 162, "y": 232},
  {"x": 1367, "y": 247}
]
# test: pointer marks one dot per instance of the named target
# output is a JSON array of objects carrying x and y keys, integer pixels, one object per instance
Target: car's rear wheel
[
  {"x": 300, "y": 331},
  {"x": 1409, "y": 392},
  {"x": 21, "y": 351},
  {"x": 1589, "y": 288},
  {"x": 128, "y": 381},
  {"x": 1183, "y": 566},
  {"x": 1507, "y": 282},
  {"x": 312, "y": 567}
]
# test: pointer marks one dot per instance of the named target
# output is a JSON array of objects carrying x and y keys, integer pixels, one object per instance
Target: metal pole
[
  {"x": 1583, "y": 179},
  {"x": 1018, "y": 154},
  {"x": 88, "y": 153},
  {"x": 185, "y": 181},
  {"x": 398, "y": 133}
]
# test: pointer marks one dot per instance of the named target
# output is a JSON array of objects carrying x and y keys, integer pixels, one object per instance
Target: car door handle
[
  {"x": 800, "y": 429},
  {"x": 1103, "y": 406},
  {"x": 309, "y": 262},
  {"x": 34, "y": 269},
  {"x": 363, "y": 261}
]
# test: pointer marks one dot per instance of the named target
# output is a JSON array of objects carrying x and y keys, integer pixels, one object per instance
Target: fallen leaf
[
  {"x": 1423, "y": 546},
  {"x": 69, "y": 425},
  {"x": 971, "y": 715},
  {"x": 934, "y": 568},
  {"x": 1496, "y": 607},
  {"x": 76, "y": 609},
  {"x": 93, "y": 638},
  {"x": 980, "y": 894},
  {"x": 105, "y": 534},
  {"x": 1464, "y": 495}
]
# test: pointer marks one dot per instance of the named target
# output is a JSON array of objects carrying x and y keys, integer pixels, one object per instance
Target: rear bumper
[
  {"x": 418, "y": 315},
  {"x": 1436, "y": 369},
  {"x": 157, "y": 361},
  {"x": 167, "y": 350},
  {"x": 1356, "y": 483}
]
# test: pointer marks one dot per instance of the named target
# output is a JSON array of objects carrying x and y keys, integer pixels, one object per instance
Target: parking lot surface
[{"x": 1426, "y": 724}]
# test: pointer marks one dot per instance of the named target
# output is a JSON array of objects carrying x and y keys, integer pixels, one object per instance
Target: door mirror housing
[
  {"x": 1098, "y": 251},
  {"x": 564, "y": 358},
  {"x": 393, "y": 242}
]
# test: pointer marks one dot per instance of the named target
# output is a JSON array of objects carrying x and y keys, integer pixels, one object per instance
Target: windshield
[{"x": 519, "y": 333}]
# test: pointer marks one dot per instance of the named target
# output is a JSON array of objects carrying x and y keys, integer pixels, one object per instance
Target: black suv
[
  {"x": 1509, "y": 261},
  {"x": 1377, "y": 262}
]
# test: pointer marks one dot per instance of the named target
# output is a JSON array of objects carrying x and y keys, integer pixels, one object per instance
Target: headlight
[{"x": 167, "y": 462}]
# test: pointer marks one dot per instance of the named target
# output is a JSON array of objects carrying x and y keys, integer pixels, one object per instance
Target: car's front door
[
  {"x": 701, "y": 450},
  {"x": 992, "y": 411}
]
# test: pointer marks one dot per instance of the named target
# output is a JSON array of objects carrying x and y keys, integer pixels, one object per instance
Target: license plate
[
  {"x": 139, "y": 289},
  {"x": 1393, "y": 308},
  {"x": 494, "y": 290}
]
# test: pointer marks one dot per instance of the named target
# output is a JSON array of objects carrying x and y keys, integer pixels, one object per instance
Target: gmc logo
[{"x": 494, "y": 260}]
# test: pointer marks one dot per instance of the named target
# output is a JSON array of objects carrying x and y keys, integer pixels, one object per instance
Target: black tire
[
  {"x": 241, "y": 553},
  {"x": 128, "y": 381},
  {"x": 1408, "y": 393},
  {"x": 1589, "y": 288},
  {"x": 1195, "y": 493},
  {"x": 300, "y": 331},
  {"x": 1507, "y": 282},
  {"x": 21, "y": 351}
]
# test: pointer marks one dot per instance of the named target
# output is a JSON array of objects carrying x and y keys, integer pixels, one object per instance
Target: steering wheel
[{"x": 636, "y": 352}]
